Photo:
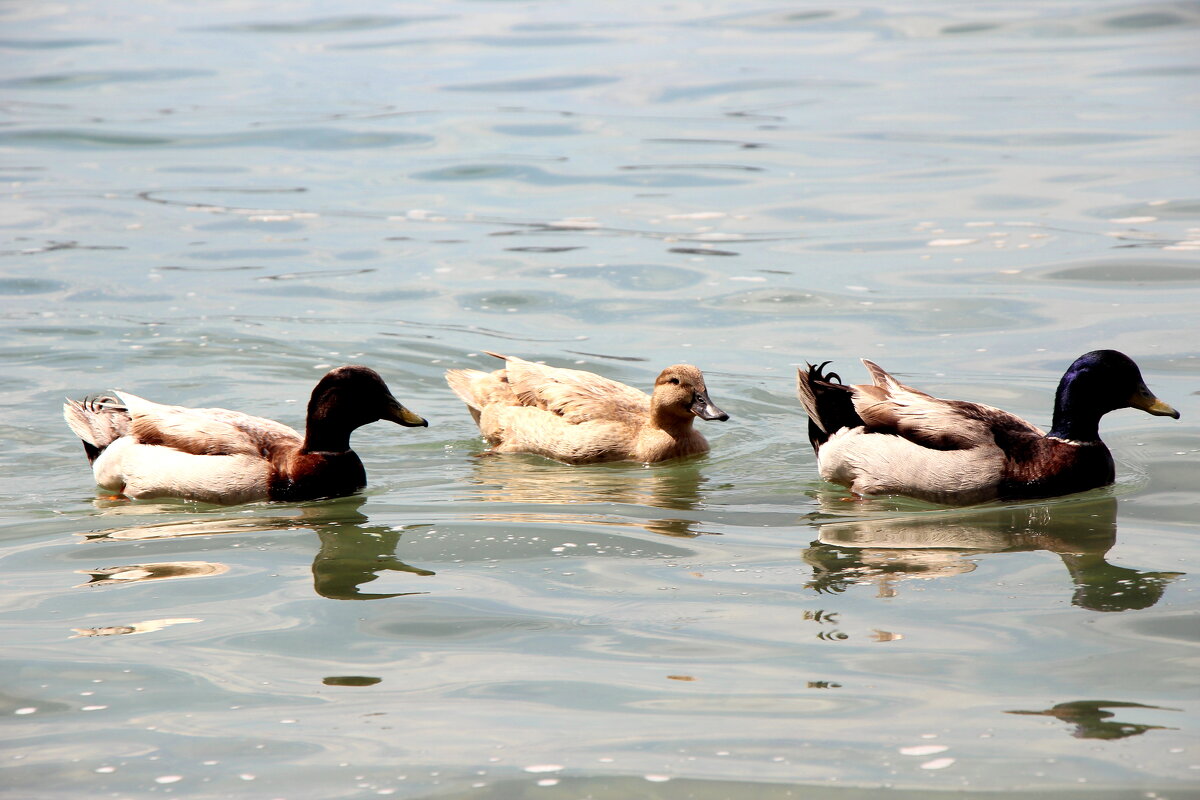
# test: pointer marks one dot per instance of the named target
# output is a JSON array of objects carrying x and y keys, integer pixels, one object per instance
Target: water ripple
[
  {"x": 550, "y": 83},
  {"x": 286, "y": 138},
  {"x": 541, "y": 177},
  {"x": 730, "y": 88},
  {"x": 632, "y": 277},
  {"x": 486, "y": 41},
  {"x": 350, "y": 23},
  {"x": 1029, "y": 140},
  {"x": 52, "y": 44},
  {"x": 1120, "y": 273},
  {"x": 90, "y": 79},
  {"x": 694, "y": 165}
]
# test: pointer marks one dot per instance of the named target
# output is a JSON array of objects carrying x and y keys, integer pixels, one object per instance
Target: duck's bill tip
[
  {"x": 1152, "y": 405},
  {"x": 402, "y": 416},
  {"x": 703, "y": 407},
  {"x": 1161, "y": 409},
  {"x": 708, "y": 411}
]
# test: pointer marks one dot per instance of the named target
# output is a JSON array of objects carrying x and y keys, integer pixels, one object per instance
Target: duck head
[
  {"x": 680, "y": 391},
  {"x": 348, "y": 398},
  {"x": 1096, "y": 383}
]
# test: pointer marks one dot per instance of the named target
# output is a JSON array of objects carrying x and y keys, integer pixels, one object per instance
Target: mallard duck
[
  {"x": 143, "y": 449},
  {"x": 887, "y": 438},
  {"x": 579, "y": 417}
]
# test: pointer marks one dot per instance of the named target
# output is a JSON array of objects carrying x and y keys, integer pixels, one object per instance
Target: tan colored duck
[
  {"x": 887, "y": 438},
  {"x": 143, "y": 449},
  {"x": 579, "y": 417}
]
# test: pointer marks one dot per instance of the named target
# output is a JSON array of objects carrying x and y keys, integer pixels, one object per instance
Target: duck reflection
[
  {"x": 526, "y": 485},
  {"x": 148, "y": 626},
  {"x": 351, "y": 554},
  {"x": 1092, "y": 721},
  {"x": 936, "y": 544},
  {"x": 158, "y": 571}
]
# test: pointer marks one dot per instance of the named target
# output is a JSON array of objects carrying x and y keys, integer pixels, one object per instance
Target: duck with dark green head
[{"x": 888, "y": 438}]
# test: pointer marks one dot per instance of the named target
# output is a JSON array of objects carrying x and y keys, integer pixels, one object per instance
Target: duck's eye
[{"x": 673, "y": 380}]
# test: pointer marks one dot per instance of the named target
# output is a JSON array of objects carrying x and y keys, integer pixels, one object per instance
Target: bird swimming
[
  {"x": 888, "y": 438},
  {"x": 141, "y": 449},
  {"x": 579, "y": 417}
]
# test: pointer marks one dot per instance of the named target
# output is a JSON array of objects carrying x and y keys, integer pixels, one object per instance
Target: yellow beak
[
  {"x": 1147, "y": 402},
  {"x": 399, "y": 414}
]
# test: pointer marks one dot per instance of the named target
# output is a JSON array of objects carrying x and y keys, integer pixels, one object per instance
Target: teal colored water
[{"x": 211, "y": 204}]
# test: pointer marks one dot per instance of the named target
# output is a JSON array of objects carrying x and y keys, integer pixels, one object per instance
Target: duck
[
  {"x": 887, "y": 438},
  {"x": 140, "y": 449},
  {"x": 579, "y": 417}
]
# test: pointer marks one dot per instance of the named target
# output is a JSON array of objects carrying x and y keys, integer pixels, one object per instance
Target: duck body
[
  {"x": 579, "y": 417},
  {"x": 144, "y": 450},
  {"x": 888, "y": 438}
]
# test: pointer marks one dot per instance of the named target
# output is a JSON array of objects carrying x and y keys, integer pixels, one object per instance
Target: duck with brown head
[
  {"x": 579, "y": 417},
  {"x": 143, "y": 449}
]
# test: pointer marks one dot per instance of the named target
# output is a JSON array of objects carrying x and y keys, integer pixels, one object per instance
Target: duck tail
[
  {"x": 463, "y": 382},
  {"x": 829, "y": 405},
  {"x": 98, "y": 420}
]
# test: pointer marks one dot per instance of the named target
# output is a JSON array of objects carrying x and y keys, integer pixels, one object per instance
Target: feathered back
[
  {"x": 889, "y": 406},
  {"x": 204, "y": 431},
  {"x": 575, "y": 395}
]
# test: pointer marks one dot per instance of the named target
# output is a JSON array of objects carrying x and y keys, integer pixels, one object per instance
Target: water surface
[{"x": 211, "y": 205}]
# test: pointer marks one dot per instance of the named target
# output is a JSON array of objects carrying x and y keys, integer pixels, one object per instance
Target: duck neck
[
  {"x": 670, "y": 421},
  {"x": 1074, "y": 420},
  {"x": 321, "y": 435}
]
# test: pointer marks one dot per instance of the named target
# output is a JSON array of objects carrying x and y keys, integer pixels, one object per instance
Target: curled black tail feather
[
  {"x": 829, "y": 405},
  {"x": 98, "y": 420}
]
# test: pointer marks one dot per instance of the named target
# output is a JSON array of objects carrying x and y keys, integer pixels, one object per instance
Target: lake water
[{"x": 210, "y": 204}]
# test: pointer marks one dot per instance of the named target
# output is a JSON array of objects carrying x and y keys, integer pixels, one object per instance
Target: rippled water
[{"x": 209, "y": 204}]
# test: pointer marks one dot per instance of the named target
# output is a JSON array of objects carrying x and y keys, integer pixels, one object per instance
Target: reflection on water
[
  {"x": 351, "y": 680},
  {"x": 149, "y": 626},
  {"x": 942, "y": 544},
  {"x": 352, "y": 553},
  {"x": 181, "y": 528},
  {"x": 159, "y": 571},
  {"x": 1091, "y": 721},
  {"x": 527, "y": 481}
]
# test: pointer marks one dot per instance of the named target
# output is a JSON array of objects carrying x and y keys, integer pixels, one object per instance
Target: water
[{"x": 210, "y": 205}]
